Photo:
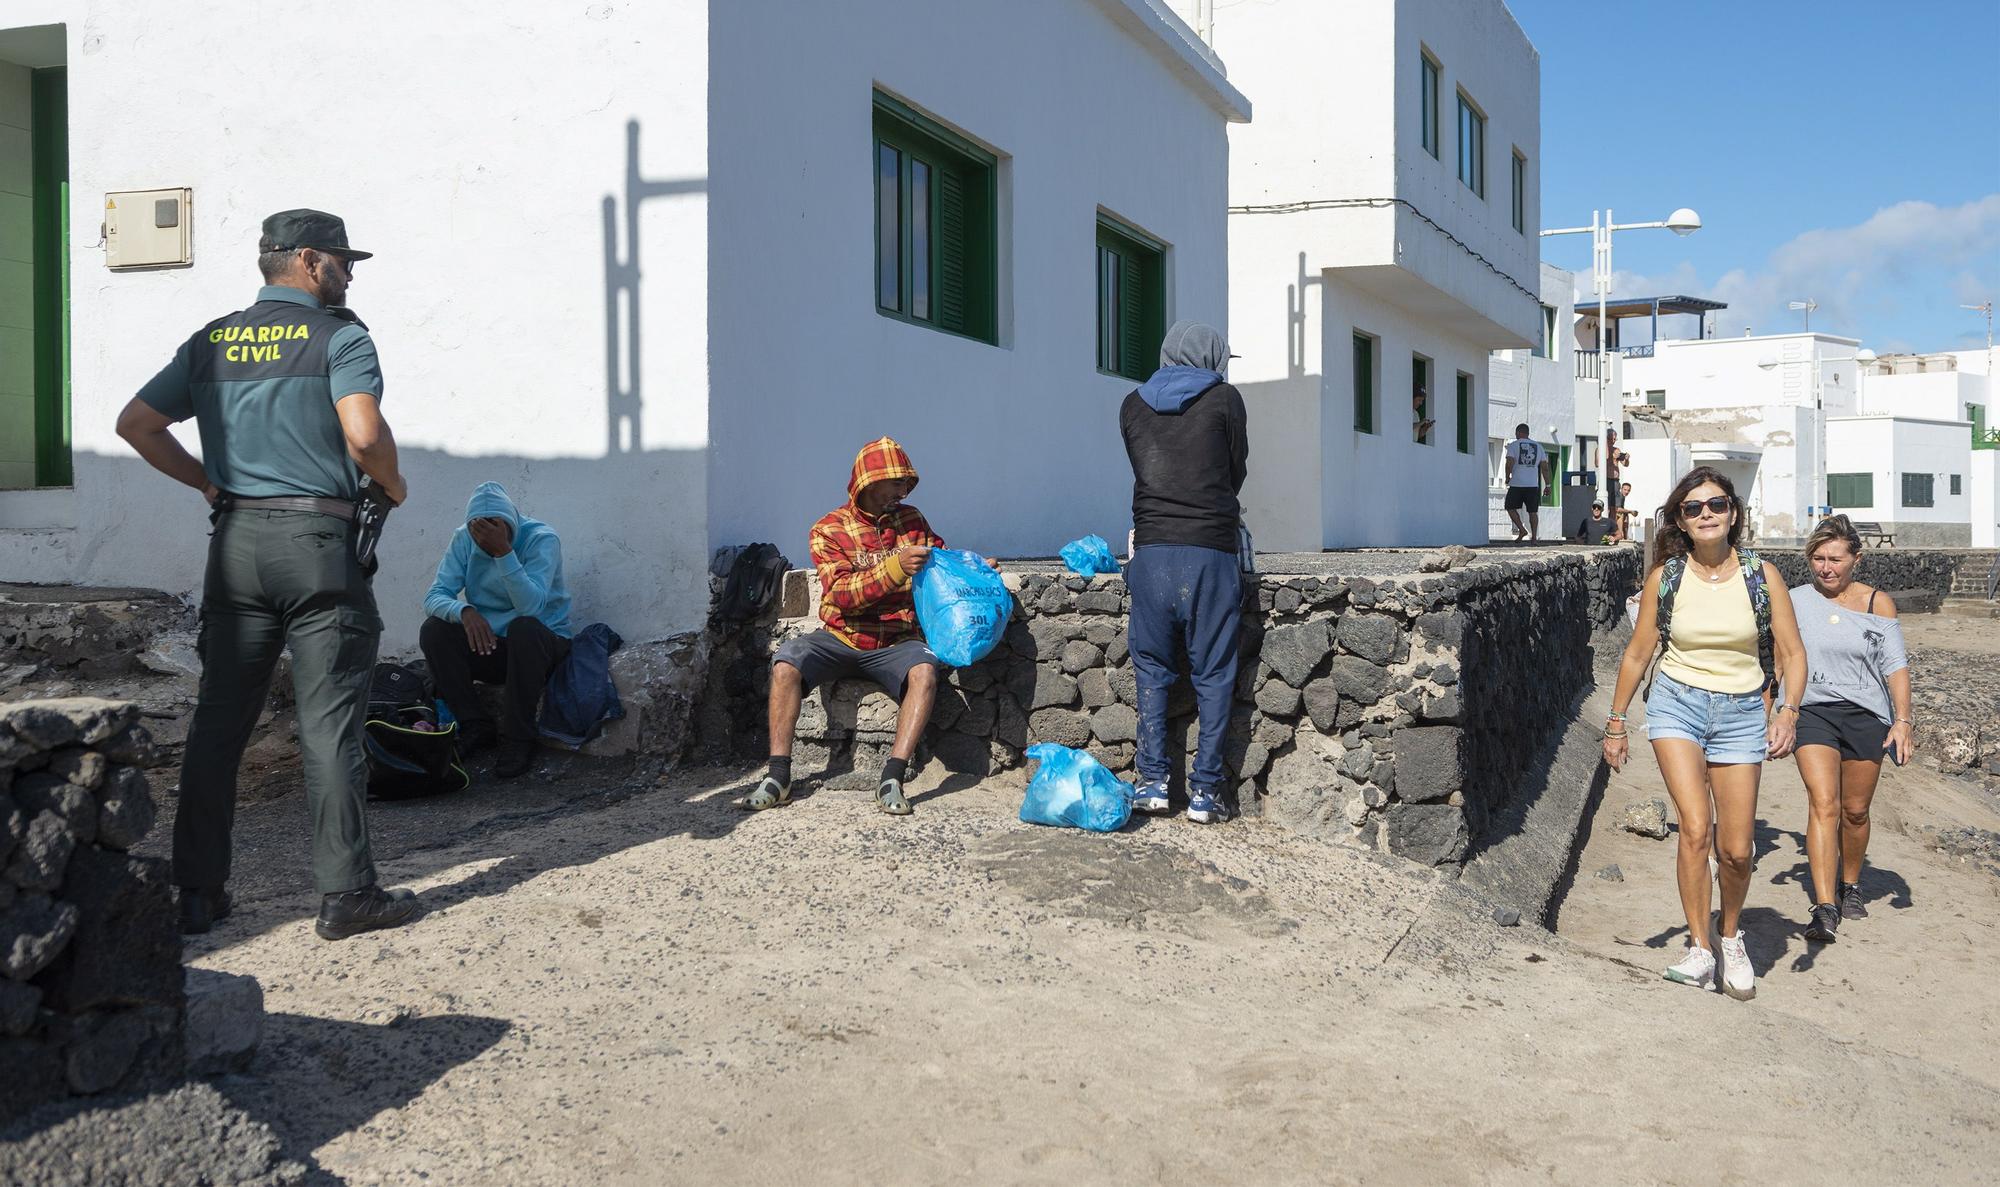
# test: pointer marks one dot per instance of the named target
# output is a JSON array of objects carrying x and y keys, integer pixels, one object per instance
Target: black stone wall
[{"x": 91, "y": 994}]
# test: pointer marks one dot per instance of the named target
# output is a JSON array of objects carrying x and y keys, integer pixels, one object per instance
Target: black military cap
[{"x": 289, "y": 230}]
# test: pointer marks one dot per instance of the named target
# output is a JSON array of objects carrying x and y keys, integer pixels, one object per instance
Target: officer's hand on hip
[{"x": 478, "y": 632}]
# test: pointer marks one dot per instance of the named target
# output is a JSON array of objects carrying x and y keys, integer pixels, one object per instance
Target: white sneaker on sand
[
  {"x": 1739, "y": 979},
  {"x": 1696, "y": 967}
]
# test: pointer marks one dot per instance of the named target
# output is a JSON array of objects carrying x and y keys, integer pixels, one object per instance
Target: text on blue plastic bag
[{"x": 962, "y": 606}]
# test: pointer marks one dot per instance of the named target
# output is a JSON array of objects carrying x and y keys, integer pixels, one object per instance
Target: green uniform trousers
[{"x": 278, "y": 577}]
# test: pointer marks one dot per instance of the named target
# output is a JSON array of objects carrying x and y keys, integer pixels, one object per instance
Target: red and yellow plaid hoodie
[{"x": 864, "y": 595}]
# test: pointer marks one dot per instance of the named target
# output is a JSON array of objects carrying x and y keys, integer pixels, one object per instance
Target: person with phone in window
[{"x": 1855, "y": 709}]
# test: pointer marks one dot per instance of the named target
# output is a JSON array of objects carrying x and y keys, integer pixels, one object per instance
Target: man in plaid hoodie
[{"x": 867, "y": 552}]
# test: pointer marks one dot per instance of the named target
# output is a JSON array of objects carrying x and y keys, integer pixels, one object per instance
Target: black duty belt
[{"x": 337, "y": 508}]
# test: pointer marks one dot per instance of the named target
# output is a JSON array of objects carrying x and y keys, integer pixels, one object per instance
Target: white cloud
[{"x": 1894, "y": 269}]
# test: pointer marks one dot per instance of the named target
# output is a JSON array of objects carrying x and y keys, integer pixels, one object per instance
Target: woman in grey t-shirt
[{"x": 1856, "y": 708}]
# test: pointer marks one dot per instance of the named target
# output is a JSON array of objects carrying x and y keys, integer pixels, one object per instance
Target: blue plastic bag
[
  {"x": 962, "y": 606},
  {"x": 1089, "y": 556},
  {"x": 1071, "y": 788}
]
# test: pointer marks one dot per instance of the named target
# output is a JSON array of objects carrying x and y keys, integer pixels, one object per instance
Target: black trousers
[{"x": 522, "y": 661}]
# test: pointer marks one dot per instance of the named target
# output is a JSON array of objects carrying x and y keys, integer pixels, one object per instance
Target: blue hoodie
[{"x": 527, "y": 582}]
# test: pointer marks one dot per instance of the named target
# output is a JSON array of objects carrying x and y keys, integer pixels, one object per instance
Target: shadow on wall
[
  {"x": 633, "y": 523},
  {"x": 624, "y": 398}
]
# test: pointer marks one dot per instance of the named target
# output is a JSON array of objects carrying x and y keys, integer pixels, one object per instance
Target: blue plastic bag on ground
[
  {"x": 962, "y": 606},
  {"x": 1088, "y": 556},
  {"x": 1070, "y": 788}
]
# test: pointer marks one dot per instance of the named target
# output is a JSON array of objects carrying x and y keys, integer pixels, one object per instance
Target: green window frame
[
  {"x": 1131, "y": 299},
  {"x": 1656, "y": 397},
  {"x": 1464, "y": 412},
  {"x": 49, "y": 206},
  {"x": 1364, "y": 383},
  {"x": 1919, "y": 490},
  {"x": 1520, "y": 189},
  {"x": 1546, "y": 348},
  {"x": 1956, "y": 487},
  {"x": 936, "y": 224},
  {"x": 1556, "y": 472},
  {"x": 1421, "y": 399},
  {"x": 1471, "y": 146},
  {"x": 1427, "y": 74},
  {"x": 1850, "y": 490}
]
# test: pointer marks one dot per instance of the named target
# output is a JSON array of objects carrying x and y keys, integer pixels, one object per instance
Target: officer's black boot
[
  {"x": 202, "y": 909},
  {"x": 368, "y": 909}
]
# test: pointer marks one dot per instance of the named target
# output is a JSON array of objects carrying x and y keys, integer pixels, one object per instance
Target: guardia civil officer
[{"x": 287, "y": 394}]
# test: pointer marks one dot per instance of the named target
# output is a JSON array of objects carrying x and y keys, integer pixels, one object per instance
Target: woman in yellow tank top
[{"x": 1705, "y": 712}]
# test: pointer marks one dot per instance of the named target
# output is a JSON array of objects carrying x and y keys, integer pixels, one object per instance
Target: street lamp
[{"x": 1680, "y": 222}]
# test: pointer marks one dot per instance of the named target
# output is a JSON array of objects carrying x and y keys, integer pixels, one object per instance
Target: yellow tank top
[{"x": 1712, "y": 644}]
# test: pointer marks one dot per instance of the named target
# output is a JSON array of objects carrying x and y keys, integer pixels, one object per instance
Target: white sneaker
[
  {"x": 1739, "y": 980},
  {"x": 1696, "y": 967}
]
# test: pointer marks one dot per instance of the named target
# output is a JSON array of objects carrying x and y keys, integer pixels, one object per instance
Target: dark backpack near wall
[
  {"x": 410, "y": 754},
  {"x": 755, "y": 579}
]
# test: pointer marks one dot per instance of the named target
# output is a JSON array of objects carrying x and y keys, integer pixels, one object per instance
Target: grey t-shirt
[{"x": 1849, "y": 653}]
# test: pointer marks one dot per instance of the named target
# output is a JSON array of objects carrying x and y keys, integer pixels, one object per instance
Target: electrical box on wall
[{"x": 148, "y": 229}]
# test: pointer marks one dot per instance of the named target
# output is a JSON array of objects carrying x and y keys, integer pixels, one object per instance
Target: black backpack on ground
[
  {"x": 755, "y": 577},
  {"x": 409, "y": 753}
]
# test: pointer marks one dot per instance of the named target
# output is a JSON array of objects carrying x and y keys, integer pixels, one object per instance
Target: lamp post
[{"x": 1680, "y": 222}]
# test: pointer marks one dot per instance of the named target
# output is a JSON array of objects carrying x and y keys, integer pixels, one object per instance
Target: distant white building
[
  {"x": 660, "y": 268},
  {"x": 1382, "y": 242},
  {"x": 1894, "y": 440}
]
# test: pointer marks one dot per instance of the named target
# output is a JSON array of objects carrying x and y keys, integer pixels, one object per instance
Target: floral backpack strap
[
  {"x": 1670, "y": 584},
  {"x": 1760, "y": 605}
]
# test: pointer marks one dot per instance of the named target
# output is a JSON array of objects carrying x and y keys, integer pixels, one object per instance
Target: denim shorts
[{"x": 1728, "y": 726}]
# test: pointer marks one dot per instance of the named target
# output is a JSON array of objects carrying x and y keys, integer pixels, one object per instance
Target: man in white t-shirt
[{"x": 1527, "y": 473}]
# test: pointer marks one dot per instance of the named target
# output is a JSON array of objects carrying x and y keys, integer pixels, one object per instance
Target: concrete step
[
  {"x": 87, "y": 632},
  {"x": 1969, "y": 608}
]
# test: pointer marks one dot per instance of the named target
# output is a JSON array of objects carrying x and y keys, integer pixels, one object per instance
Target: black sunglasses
[{"x": 1720, "y": 504}]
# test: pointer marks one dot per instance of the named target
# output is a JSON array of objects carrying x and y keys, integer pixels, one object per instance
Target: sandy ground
[{"x": 660, "y": 990}]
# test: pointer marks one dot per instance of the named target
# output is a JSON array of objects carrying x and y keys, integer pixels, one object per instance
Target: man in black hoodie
[{"x": 1185, "y": 435}]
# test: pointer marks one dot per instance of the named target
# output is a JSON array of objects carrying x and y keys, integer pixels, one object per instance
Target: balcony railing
[{"x": 1989, "y": 439}]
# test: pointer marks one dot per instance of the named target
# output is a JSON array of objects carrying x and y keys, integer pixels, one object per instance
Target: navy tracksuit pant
[{"x": 1184, "y": 596}]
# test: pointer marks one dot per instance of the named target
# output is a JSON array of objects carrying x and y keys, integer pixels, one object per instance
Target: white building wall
[
  {"x": 1338, "y": 126},
  {"x": 1018, "y": 443},
  {"x": 1938, "y": 448},
  {"x": 472, "y": 150},
  {"x": 1984, "y": 501},
  {"x": 1934, "y": 395}
]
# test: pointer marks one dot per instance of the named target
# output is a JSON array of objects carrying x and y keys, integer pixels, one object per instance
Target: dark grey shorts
[{"x": 822, "y": 659}]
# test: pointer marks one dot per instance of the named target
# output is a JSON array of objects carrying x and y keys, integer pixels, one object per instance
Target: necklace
[{"x": 1712, "y": 577}]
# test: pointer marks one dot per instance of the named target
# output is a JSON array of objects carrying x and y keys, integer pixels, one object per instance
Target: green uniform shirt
[{"x": 262, "y": 384}]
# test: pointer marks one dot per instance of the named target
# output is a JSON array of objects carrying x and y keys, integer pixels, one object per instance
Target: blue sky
[{"x": 1844, "y": 151}]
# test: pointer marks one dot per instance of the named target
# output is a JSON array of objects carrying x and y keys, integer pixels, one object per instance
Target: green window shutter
[
  {"x": 1364, "y": 384},
  {"x": 1131, "y": 299},
  {"x": 1132, "y": 319},
  {"x": 49, "y": 214},
  {"x": 937, "y": 235},
  {"x": 1465, "y": 414},
  {"x": 954, "y": 263},
  {"x": 1850, "y": 490}
]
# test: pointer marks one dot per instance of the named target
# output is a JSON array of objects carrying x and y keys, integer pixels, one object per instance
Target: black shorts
[
  {"x": 1846, "y": 727},
  {"x": 821, "y": 659},
  {"x": 1523, "y": 496}
]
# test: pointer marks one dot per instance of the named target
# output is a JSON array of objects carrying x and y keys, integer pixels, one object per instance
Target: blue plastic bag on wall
[
  {"x": 1089, "y": 556},
  {"x": 962, "y": 606},
  {"x": 1072, "y": 789}
]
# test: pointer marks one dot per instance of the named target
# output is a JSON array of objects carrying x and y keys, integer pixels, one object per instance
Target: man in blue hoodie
[
  {"x": 498, "y": 612},
  {"x": 1185, "y": 434}
]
